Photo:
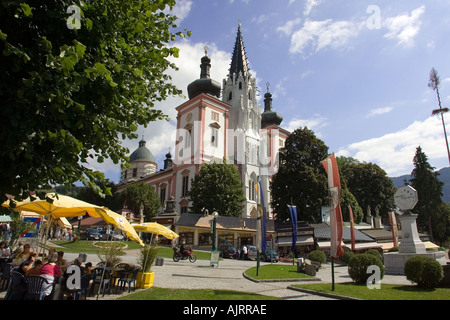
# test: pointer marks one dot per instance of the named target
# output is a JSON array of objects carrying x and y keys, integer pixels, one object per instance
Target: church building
[{"x": 216, "y": 123}]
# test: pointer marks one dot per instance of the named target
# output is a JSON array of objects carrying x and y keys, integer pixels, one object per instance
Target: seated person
[
  {"x": 52, "y": 272},
  {"x": 27, "y": 264},
  {"x": 36, "y": 269}
]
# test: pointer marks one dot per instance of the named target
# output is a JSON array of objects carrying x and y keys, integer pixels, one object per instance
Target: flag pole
[{"x": 332, "y": 273}]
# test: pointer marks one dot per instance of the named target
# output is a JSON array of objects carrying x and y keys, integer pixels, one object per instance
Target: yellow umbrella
[
  {"x": 120, "y": 222},
  {"x": 156, "y": 228},
  {"x": 56, "y": 205}
]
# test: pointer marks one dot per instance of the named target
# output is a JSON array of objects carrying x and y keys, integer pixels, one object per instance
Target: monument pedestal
[
  {"x": 394, "y": 262},
  {"x": 410, "y": 246},
  {"x": 411, "y": 242}
]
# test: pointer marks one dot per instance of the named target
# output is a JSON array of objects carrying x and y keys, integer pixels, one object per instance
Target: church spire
[{"x": 239, "y": 61}]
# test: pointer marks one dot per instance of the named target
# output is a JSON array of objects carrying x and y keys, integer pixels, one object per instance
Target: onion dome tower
[
  {"x": 269, "y": 117},
  {"x": 205, "y": 84}
]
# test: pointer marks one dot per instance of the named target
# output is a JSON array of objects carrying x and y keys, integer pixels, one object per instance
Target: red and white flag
[
  {"x": 336, "y": 224},
  {"x": 352, "y": 227},
  {"x": 393, "y": 221}
]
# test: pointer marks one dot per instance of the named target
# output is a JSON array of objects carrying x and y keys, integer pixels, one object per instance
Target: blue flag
[
  {"x": 293, "y": 212},
  {"x": 263, "y": 221}
]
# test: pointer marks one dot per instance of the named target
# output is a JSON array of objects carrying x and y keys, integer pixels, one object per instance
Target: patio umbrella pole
[
  {"x": 49, "y": 222},
  {"x": 103, "y": 274}
]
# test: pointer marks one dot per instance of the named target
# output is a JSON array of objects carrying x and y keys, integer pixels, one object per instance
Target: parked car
[
  {"x": 270, "y": 255},
  {"x": 228, "y": 252},
  {"x": 90, "y": 234},
  {"x": 251, "y": 252},
  {"x": 111, "y": 236}
]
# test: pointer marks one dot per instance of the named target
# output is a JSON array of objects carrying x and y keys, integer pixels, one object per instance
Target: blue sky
[{"x": 354, "y": 72}]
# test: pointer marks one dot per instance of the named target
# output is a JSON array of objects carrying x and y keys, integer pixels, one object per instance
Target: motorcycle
[{"x": 177, "y": 255}]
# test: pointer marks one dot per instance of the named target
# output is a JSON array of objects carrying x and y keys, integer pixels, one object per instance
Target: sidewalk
[{"x": 228, "y": 276}]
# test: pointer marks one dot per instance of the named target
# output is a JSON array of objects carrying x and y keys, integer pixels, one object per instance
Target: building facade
[{"x": 216, "y": 123}]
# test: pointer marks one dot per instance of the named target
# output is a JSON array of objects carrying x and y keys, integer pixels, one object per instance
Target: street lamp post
[
  {"x": 215, "y": 215},
  {"x": 214, "y": 254},
  {"x": 79, "y": 225}
]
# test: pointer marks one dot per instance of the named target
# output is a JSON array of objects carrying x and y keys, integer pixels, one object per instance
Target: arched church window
[
  {"x": 230, "y": 96},
  {"x": 240, "y": 85}
]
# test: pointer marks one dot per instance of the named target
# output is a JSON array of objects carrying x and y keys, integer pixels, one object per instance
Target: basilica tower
[{"x": 239, "y": 91}]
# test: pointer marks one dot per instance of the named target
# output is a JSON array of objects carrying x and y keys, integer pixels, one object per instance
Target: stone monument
[{"x": 405, "y": 199}]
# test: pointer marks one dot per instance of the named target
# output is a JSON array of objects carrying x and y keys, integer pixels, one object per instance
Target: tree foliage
[
  {"x": 217, "y": 187},
  {"x": 301, "y": 178},
  {"x": 139, "y": 194},
  {"x": 433, "y": 216},
  {"x": 69, "y": 95},
  {"x": 370, "y": 185}
]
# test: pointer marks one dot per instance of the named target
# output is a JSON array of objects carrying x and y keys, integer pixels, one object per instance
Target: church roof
[
  {"x": 239, "y": 61},
  {"x": 142, "y": 153}
]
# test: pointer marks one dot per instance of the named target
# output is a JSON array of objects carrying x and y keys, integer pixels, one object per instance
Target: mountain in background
[{"x": 444, "y": 176}]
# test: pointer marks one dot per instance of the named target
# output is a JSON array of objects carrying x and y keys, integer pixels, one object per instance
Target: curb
[
  {"x": 324, "y": 294},
  {"x": 280, "y": 280}
]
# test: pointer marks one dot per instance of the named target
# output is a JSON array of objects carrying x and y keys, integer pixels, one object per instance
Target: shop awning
[
  {"x": 428, "y": 245},
  {"x": 365, "y": 245},
  {"x": 327, "y": 244},
  {"x": 301, "y": 241},
  {"x": 5, "y": 218},
  {"x": 64, "y": 223}
]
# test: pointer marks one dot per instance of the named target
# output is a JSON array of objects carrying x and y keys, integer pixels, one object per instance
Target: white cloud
[
  {"x": 318, "y": 35},
  {"x": 314, "y": 123},
  {"x": 182, "y": 9},
  {"x": 310, "y": 4},
  {"x": 404, "y": 27},
  {"x": 394, "y": 152},
  {"x": 378, "y": 111},
  {"x": 288, "y": 27}
]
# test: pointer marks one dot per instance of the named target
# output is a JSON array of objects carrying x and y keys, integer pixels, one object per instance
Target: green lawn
[
  {"x": 276, "y": 271},
  {"x": 88, "y": 247},
  {"x": 386, "y": 291},
  {"x": 193, "y": 294}
]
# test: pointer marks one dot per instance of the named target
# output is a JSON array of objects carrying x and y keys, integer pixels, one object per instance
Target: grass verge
[
  {"x": 277, "y": 272},
  {"x": 386, "y": 291},
  {"x": 155, "y": 293}
]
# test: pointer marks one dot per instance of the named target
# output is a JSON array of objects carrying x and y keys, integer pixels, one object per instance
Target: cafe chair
[
  {"x": 97, "y": 279},
  {"x": 17, "y": 286},
  {"x": 34, "y": 289},
  {"x": 127, "y": 280},
  {"x": 6, "y": 271},
  {"x": 84, "y": 286}
]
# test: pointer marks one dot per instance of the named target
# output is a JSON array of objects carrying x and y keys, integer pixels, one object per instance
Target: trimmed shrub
[
  {"x": 374, "y": 252},
  {"x": 318, "y": 256},
  {"x": 393, "y": 249},
  {"x": 357, "y": 267},
  {"x": 347, "y": 256},
  {"x": 424, "y": 271}
]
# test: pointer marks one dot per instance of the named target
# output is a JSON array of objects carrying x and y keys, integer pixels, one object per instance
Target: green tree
[
  {"x": 429, "y": 190},
  {"x": 71, "y": 91},
  {"x": 370, "y": 185},
  {"x": 301, "y": 178},
  {"x": 139, "y": 194},
  {"x": 110, "y": 201},
  {"x": 217, "y": 187}
]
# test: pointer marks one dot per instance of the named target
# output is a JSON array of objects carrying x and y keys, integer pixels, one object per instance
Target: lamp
[{"x": 215, "y": 215}]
